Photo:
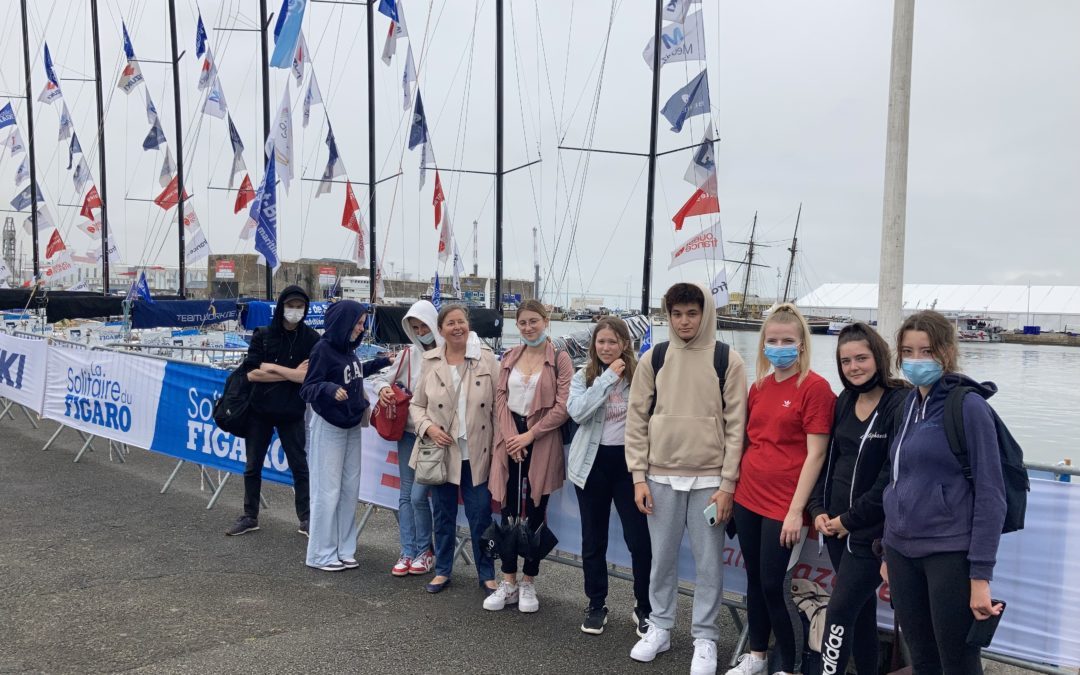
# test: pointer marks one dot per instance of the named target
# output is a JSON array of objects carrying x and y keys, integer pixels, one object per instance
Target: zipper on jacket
[
  {"x": 855, "y": 470},
  {"x": 900, "y": 444}
]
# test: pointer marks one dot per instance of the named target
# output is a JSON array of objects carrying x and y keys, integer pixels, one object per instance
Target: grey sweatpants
[{"x": 673, "y": 512}]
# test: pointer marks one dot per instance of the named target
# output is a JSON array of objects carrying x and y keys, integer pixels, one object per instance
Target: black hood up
[
  {"x": 340, "y": 319},
  {"x": 278, "y": 321}
]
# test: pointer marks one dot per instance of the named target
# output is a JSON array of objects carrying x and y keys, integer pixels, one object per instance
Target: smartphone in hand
[
  {"x": 710, "y": 514},
  {"x": 982, "y": 632}
]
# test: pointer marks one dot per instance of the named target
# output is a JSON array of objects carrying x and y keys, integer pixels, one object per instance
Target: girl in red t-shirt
[{"x": 789, "y": 414}]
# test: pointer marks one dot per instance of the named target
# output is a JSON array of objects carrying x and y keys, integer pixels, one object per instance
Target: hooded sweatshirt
[
  {"x": 289, "y": 348},
  {"x": 406, "y": 371},
  {"x": 334, "y": 365},
  {"x": 929, "y": 506},
  {"x": 691, "y": 432}
]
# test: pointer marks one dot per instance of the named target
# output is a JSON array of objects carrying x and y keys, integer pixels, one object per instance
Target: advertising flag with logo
[{"x": 708, "y": 245}]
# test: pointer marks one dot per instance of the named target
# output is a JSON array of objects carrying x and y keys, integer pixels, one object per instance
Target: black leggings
[
  {"x": 769, "y": 608},
  {"x": 931, "y": 598},
  {"x": 534, "y": 514},
  {"x": 851, "y": 617}
]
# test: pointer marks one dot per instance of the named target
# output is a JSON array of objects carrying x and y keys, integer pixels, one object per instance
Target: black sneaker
[
  {"x": 303, "y": 529},
  {"x": 244, "y": 524},
  {"x": 595, "y": 620},
  {"x": 640, "y": 620}
]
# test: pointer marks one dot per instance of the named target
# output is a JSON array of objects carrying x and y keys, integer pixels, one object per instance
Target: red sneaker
[
  {"x": 401, "y": 568},
  {"x": 423, "y": 564}
]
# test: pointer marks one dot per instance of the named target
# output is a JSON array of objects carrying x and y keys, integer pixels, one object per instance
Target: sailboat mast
[
  {"x": 30, "y": 149},
  {"x": 499, "y": 155},
  {"x": 101, "y": 151},
  {"x": 749, "y": 266},
  {"x": 179, "y": 152},
  {"x": 371, "y": 144},
  {"x": 793, "y": 249},
  {"x": 263, "y": 21},
  {"x": 650, "y": 197}
]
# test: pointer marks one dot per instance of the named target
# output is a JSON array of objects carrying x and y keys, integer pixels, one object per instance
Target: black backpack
[
  {"x": 720, "y": 364},
  {"x": 1013, "y": 471},
  {"x": 233, "y": 409}
]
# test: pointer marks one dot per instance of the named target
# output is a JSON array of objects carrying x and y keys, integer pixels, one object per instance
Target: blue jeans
[
  {"x": 477, "y": 501},
  {"x": 414, "y": 510},
  {"x": 334, "y": 464}
]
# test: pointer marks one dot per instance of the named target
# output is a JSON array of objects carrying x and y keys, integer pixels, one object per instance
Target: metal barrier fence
[{"x": 219, "y": 357}]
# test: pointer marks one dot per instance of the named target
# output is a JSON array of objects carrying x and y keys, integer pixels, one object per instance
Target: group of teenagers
[{"x": 680, "y": 445}]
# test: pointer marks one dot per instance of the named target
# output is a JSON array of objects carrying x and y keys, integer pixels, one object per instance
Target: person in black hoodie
[
  {"x": 846, "y": 502},
  {"x": 334, "y": 388},
  {"x": 276, "y": 363}
]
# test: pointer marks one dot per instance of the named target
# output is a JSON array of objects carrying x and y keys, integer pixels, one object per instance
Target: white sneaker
[
  {"x": 749, "y": 665},
  {"x": 656, "y": 640},
  {"x": 704, "y": 661},
  {"x": 527, "y": 600},
  {"x": 505, "y": 594}
]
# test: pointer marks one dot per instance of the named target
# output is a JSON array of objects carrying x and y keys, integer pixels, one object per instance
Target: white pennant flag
[
  {"x": 81, "y": 175},
  {"x": 5, "y": 274},
  {"x": 65, "y": 123},
  {"x": 312, "y": 97},
  {"x": 407, "y": 79},
  {"x": 208, "y": 73},
  {"x": 14, "y": 142},
  {"x": 168, "y": 169},
  {"x": 446, "y": 238},
  {"x": 44, "y": 219},
  {"x": 151, "y": 110},
  {"x": 675, "y": 10},
  {"x": 459, "y": 267},
  {"x": 702, "y": 170},
  {"x": 60, "y": 267},
  {"x": 679, "y": 42},
  {"x": 280, "y": 141},
  {"x": 92, "y": 228},
  {"x": 360, "y": 250},
  {"x": 83, "y": 285},
  {"x": 397, "y": 30},
  {"x": 22, "y": 173},
  {"x": 299, "y": 59},
  {"x": 195, "y": 244},
  {"x": 720, "y": 289},
  {"x": 380, "y": 287},
  {"x": 215, "y": 101},
  {"x": 427, "y": 155},
  {"x": 708, "y": 245}
]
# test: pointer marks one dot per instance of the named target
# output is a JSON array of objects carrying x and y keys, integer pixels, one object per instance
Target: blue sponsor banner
[
  {"x": 185, "y": 426},
  {"x": 260, "y": 312},
  {"x": 179, "y": 313}
]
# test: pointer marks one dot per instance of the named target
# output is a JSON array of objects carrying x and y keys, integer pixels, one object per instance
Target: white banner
[
  {"x": 22, "y": 370},
  {"x": 106, "y": 394},
  {"x": 708, "y": 245},
  {"x": 680, "y": 42}
]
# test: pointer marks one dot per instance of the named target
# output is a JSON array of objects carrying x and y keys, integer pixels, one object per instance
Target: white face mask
[
  {"x": 426, "y": 339},
  {"x": 294, "y": 315}
]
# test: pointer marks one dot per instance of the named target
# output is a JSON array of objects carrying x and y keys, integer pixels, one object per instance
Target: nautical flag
[
  {"x": 459, "y": 267},
  {"x": 702, "y": 170},
  {"x": 170, "y": 196},
  {"x": 312, "y": 97},
  {"x": 699, "y": 204},
  {"x": 14, "y": 142},
  {"x": 348, "y": 218},
  {"x": 22, "y": 173},
  {"x": 51, "y": 92},
  {"x": 83, "y": 285},
  {"x": 437, "y": 198},
  {"x": 679, "y": 42},
  {"x": 4, "y": 274},
  {"x": 380, "y": 287},
  {"x": 195, "y": 244},
  {"x": 646, "y": 341},
  {"x": 238, "y": 164},
  {"x": 407, "y": 80},
  {"x": 129, "y": 51},
  {"x": 81, "y": 175},
  {"x": 208, "y": 71},
  {"x": 155, "y": 137},
  {"x": 426, "y": 155},
  {"x": 56, "y": 244},
  {"x": 90, "y": 202},
  {"x": 200, "y": 37},
  {"x": 141, "y": 289},
  {"x": 389, "y": 8},
  {"x": 690, "y": 101},
  {"x": 719, "y": 288},
  {"x": 279, "y": 145},
  {"x": 168, "y": 169},
  {"x": 360, "y": 249},
  {"x": 7, "y": 116},
  {"x": 334, "y": 166},
  {"x": 151, "y": 109},
  {"x": 215, "y": 101},
  {"x": 708, "y": 245},
  {"x": 245, "y": 196},
  {"x": 436, "y": 295},
  {"x": 266, "y": 224},
  {"x": 396, "y": 31},
  {"x": 65, "y": 123},
  {"x": 112, "y": 252},
  {"x": 675, "y": 10},
  {"x": 130, "y": 77},
  {"x": 248, "y": 231},
  {"x": 92, "y": 228},
  {"x": 445, "y": 238},
  {"x": 44, "y": 220},
  {"x": 63, "y": 266},
  {"x": 300, "y": 58},
  {"x": 286, "y": 36},
  {"x": 22, "y": 200},
  {"x": 418, "y": 132},
  {"x": 74, "y": 147}
]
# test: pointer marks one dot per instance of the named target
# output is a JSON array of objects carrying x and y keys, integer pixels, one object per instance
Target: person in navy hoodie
[
  {"x": 941, "y": 529},
  {"x": 334, "y": 389}
]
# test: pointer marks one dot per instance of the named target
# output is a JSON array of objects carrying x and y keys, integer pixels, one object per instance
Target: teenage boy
[
  {"x": 684, "y": 440},
  {"x": 276, "y": 364}
]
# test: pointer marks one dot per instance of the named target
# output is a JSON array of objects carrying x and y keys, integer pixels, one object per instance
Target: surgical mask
[
  {"x": 540, "y": 339},
  {"x": 294, "y": 315},
  {"x": 782, "y": 357},
  {"x": 922, "y": 372},
  {"x": 426, "y": 339}
]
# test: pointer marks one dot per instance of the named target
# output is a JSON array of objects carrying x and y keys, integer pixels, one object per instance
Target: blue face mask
[
  {"x": 921, "y": 372},
  {"x": 540, "y": 339},
  {"x": 782, "y": 357},
  {"x": 426, "y": 339}
]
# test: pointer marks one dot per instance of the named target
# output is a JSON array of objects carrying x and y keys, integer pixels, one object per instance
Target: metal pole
[
  {"x": 30, "y": 129},
  {"x": 749, "y": 267},
  {"x": 179, "y": 150},
  {"x": 101, "y": 151},
  {"x": 646, "y": 274},
  {"x": 793, "y": 249},
  {"x": 536, "y": 266},
  {"x": 266, "y": 114},
  {"x": 891, "y": 279},
  {"x": 371, "y": 144},
  {"x": 498, "y": 154}
]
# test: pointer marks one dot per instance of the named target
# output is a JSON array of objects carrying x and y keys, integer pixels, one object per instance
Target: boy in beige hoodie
[{"x": 684, "y": 441}]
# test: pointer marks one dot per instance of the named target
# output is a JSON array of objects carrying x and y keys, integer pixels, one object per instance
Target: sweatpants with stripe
[
  {"x": 769, "y": 607},
  {"x": 334, "y": 464},
  {"x": 676, "y": 511}
]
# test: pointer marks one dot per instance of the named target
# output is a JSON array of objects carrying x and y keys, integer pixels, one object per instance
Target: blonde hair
[{"x": 786, "y": 313}]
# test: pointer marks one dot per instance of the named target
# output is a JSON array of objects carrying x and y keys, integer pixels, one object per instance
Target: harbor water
[{"x": 1038, "y": 396}]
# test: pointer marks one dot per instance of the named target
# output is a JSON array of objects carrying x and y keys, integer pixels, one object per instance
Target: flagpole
[
  {"x": 179, "y": 151},
  {"x": 266, "y": 116},
  {"x": 646, "y": 275},
  {"x": 499, "y": 156},
  {"x": 372, "y": 181},
  {"x": 30, "y": 141},
  {"x": 101, "y": 151}
]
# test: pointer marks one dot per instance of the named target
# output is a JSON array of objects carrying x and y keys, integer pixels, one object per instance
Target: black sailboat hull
[{"x": 817, "y": 326}]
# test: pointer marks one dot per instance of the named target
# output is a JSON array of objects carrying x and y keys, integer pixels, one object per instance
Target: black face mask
[{"x": 864, "y": 387}]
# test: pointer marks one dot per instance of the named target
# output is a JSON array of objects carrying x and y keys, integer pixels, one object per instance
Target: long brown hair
[
  {"x": 595, "y": 366},
  {"x": 531, "y": 305},
  {"x": 942, "y": 334},
  {"x": 879, "y": 349},
  {"x": 789, "y": 314}
]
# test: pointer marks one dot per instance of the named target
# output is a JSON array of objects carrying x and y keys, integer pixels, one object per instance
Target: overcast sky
[{"x": 799, "y": 98}]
